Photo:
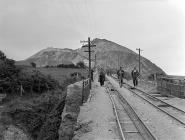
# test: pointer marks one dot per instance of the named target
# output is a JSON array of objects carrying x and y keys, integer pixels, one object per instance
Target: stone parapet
[{"x": 77, "y": 93}]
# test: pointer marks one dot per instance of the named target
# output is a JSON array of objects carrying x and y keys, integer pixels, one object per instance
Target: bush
[
  {"x": 67, "y": 66},
  {"x": 37, "y": 82},
  {"x": 12, "y": 78},
  {"x": 80, "y": 64},
  {"x": 39, "y": 117},
  {"x": 33, "y": 64},
  {"x": 8, "y": 75},
  {"x": 2, "y": 56}
]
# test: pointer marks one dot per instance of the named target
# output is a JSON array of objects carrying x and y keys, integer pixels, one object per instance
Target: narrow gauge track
[
  {"x": 129, "y": 124},
  {"x": 177, "y": 114}
]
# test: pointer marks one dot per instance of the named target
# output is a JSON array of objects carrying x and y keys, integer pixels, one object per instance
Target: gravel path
[{"x": 96, "y": 117}]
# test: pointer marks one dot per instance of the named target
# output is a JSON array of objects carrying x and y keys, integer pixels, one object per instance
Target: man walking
[
  {"x": 135, "y": 74},
  {"x": 92, "y": 75},
  {"x": 101, "y": 77},
  {"x": 120, "y": 74}
]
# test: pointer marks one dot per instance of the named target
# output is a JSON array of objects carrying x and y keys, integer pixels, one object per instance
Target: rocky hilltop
[{"x": 108, "y": 54}]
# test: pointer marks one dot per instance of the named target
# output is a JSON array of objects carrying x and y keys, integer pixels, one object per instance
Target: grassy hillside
[
  {"x": 59, "y": 74},
  {"x": 39, "y": 116}
]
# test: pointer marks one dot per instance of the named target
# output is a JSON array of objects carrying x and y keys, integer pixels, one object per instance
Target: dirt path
[{"x": 96, "y": 117}]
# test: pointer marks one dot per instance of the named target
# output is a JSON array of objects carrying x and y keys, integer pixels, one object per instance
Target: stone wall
[
  {"x": 74, "y": 100},
  {"x": 169, "y": 88}
]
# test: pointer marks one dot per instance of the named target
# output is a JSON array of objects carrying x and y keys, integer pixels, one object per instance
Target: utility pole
[
  {"x": 139, "y": 59},
  {"x": 89, "y": 51}
]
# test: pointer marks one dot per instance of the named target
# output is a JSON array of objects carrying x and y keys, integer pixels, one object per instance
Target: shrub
[
  {"x": 33, "y": 64},
  {"x": 13, "y": 78},
  {"x": 66, "y": 66},
  {"x": 37, "y": 82},
  {"x": 40, "y": 117},
  {"x": 2, "y": 56},
  {"x": 80, "y": 64}
]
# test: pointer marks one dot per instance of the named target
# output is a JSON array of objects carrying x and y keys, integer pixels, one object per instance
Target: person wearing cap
[
  {"x": 120, "y": 74},
  {"x": 135, "y": 74}
]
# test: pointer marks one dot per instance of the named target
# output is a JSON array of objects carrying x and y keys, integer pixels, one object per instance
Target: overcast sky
[{"x": 155, "y": 26}]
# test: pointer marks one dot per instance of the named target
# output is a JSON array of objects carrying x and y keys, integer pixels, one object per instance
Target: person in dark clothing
[
  {"x": 102, "y": 77},
  {"x": 135, "y": 74},
  {"x": 120, "y": 74},
  {"x": 92, "y": 76}
]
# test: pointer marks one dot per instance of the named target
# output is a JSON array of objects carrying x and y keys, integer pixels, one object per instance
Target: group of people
[{"x": 121, "y": 75}]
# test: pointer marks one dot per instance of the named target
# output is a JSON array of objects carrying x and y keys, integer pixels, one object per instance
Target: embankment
[
  {"x": 36, "y": 119},
  {"x": 77, "y": 93},
  {"x": 48, "y": 117}
]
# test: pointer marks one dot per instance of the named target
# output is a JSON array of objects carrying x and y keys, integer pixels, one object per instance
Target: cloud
[{"x": 156, "y": 26}]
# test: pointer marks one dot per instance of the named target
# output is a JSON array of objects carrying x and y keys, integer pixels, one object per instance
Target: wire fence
[{"x": 85, "y": 90}]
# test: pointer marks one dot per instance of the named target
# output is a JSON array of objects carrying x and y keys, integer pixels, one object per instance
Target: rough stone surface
[
  {"x": 13, "y": 133},
  {"x": 85, "y": 94},
  {"x": 71, "y": 111}
]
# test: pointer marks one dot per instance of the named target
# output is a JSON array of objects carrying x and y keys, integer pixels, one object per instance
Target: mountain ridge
[{"x": 108, "y": 54}]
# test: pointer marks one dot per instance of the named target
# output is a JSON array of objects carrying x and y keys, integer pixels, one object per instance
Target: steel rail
[
  {"x": 154, "y": 97},
  {"x": 165, "y": 112},
  {"x": 147, "y": 94},
  {"x": 117, "y": 118},
  {"x": 138, "y": 123}
]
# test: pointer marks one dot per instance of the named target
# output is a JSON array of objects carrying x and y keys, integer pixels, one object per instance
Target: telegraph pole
[
  {"x": 89, "y": 51},
  {"x": 139, "y": 59}
]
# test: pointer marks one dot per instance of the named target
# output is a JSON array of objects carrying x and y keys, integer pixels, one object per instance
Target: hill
[
  {"x": 108, "y": 53},
  {"x": 113, "y": 55}
]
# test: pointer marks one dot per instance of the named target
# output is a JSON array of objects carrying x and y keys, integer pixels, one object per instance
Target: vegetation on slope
[{"x": 38, "y": 111}]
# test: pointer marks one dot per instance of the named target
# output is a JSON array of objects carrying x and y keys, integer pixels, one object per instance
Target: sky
[{"x": 155, "y": 26}]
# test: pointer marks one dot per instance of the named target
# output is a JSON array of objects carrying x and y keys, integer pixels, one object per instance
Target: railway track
[
  {"x": 175, "y": 113},
  {"x": 130, "y": 125}
]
